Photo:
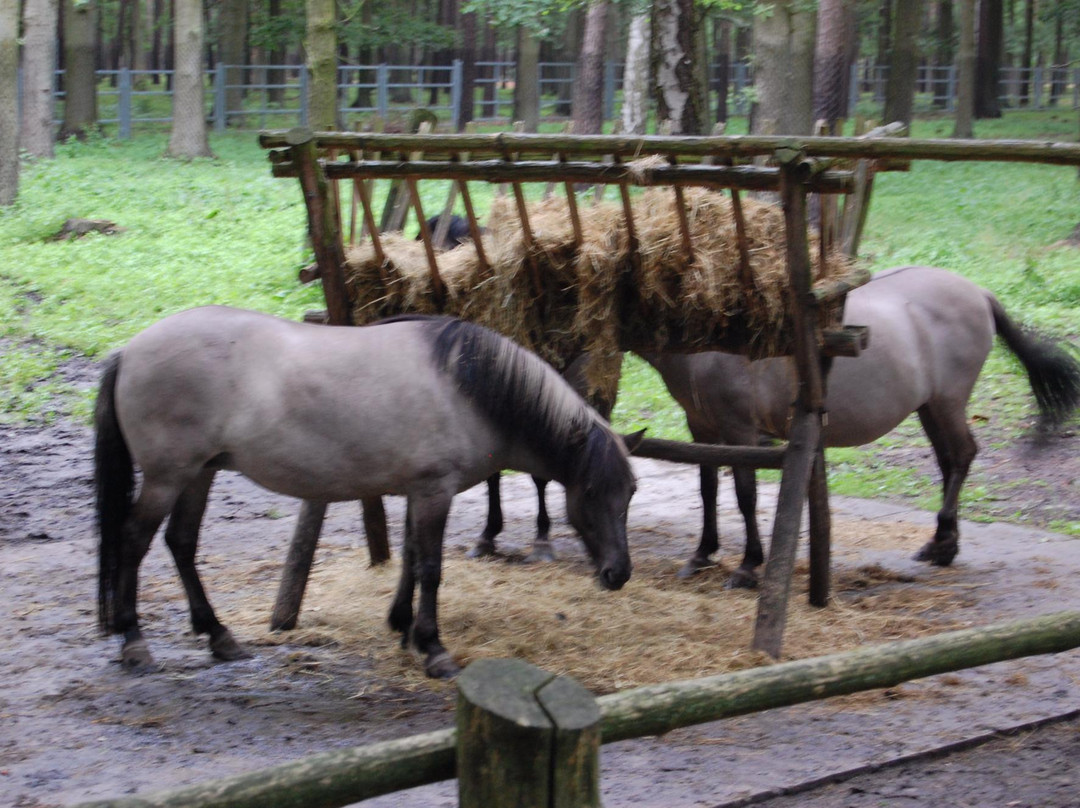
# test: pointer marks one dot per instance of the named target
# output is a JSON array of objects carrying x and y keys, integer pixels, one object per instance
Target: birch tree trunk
[
  {"x": 783, "y": 69},
  {"x": 679, "y": 89},
  {"x": 588, "y": 99},
  {"x": 9, "y": 115},
  {"x": 39, "y": 63},
  {"x": 188, "y": 138},
  {"x": 80, "y": 83},
  {"x": 635, "y": 105},
  {"x": 321, "y": 45}
]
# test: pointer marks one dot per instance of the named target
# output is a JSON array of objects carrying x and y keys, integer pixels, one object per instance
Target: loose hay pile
[
  {"x": 599, "y": 295},
  {"x": 658, "y": 628}
]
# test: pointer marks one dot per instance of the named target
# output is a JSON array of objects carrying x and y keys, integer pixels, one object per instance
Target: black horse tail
[
  {"x": 114, "y": 479},
  {"x": 1053, "y": 370}
]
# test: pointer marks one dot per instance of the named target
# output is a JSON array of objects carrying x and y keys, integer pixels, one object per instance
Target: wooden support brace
[
  {"x": 294, "y": 578},
  {"x": 438, "y": 288}
]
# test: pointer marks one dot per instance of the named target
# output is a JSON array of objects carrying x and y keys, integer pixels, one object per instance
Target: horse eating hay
[
  {"x": 424, "y": 407},
  {"x": 930, "y": 333}
]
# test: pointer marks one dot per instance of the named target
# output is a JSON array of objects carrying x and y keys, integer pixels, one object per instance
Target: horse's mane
[{"x": 521, "y": 395}]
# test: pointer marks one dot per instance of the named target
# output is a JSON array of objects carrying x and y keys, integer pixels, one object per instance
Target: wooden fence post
[{"x": 525, "y": 738}]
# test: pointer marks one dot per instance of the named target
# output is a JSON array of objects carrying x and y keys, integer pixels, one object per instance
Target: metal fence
[{"x": 274, "y": 96}]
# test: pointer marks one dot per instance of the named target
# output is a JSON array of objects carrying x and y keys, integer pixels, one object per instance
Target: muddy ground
[{"x": 74, "y": 726}]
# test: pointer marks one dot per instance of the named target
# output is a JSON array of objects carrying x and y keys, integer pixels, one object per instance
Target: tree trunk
[
  {"x": 188, "y": 138},
  {"x": 232, "y": 51},
  {"x": 722, "y": 40},
  {"x": 276, "y": 95},
  {"x": 831, "y": 61},
  {"x": 9, "y": 102},
  {"x": 884, "y": 37},
  {"x": 527, "y": 86},
  {"x": 635, "y": 104},
  {"x": 945, "y": 52},
  {"x": 784, "y": 68},
  {"x": 903, "y": 63},
  {"x": 80, "y": 85},
  {"x": 321, "y": 46},
  {"x": 469, "y": 73},
  {"x": 988, "y": 59},
  {"x": 588, "y": 102},
  {"x": 681, "y": 94},
  {"x": 39, "y": 62},
  {"x": 965, "y": 79},
  {"x": 1025, "y": 58}
]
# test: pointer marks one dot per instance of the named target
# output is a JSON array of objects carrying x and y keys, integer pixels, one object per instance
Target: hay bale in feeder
[{"x": 591, "y": 296}]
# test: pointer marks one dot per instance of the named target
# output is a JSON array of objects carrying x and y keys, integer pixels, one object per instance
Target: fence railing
[
  {"x": 274, "y": 96},
  {"x": 343, "y": 777}
]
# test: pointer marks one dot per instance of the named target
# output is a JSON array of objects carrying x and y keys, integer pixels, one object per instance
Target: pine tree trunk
[
  {"x": 784, "y": 69},
  {"x": 988, "y": 59},
  {"x": 188, "y": 138},
  {"x": 588, "y": 101},
  {"x": 467, "y": 54},
  {"x": 903, "y": 63},
  {"x": 321, "y": 45},
  {"x": 39, "y": 62},
  {"x": 9, "y": 115},
  {"x": 80, "y": 84},
  {"x": 635, "y": 104},
  {"x": 831, "y": 65},
  {"x": 232, "y": 51}
]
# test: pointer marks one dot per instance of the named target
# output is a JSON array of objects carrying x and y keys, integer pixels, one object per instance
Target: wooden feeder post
[
  {"x": 325, "y": 234},
  {"x": 804, "y": 451},
  {"x": 525, "y": 738}
]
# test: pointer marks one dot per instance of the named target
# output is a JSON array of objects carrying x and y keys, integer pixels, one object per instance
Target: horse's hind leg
[
  {"x": 401, "y": 611},
  {"x": 954, "y": 448},
  {"x": 542, "y": 549},
  {"x": 182, "y": 538},
  {"x": 745, "y": 577},
  {"x": 147, "y": 514},
  {"x": 710, "y": 535},
  {"x": 494, "y": 525}
]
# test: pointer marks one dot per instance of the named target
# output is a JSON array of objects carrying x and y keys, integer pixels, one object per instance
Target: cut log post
[
  {"x": 298, "y": 566},
  {"x": 525, "y": 738}
]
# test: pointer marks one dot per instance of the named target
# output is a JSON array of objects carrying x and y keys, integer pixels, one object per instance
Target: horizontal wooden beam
[
  {"x": 751, "y": 178},
  {"x": 726, "y": 147},
  {"x": 708, "y": 454}
]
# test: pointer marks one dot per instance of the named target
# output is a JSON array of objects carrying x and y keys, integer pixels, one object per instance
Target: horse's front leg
[
  {"x": 542, "y": 549},
  {"x": 428, "y": 517}
]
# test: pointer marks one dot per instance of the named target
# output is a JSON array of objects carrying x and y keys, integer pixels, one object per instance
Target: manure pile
[{"x": 558, "y": 299}]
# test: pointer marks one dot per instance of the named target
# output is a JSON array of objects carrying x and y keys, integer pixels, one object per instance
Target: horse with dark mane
[
  {"x": 930, "y": 334},
  {"x": 417, "y": 406}
]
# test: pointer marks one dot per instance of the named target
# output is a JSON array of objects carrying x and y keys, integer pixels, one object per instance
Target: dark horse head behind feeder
[
  {"x": 424, "y": 407},
  {"x": 457, "y": 232}
]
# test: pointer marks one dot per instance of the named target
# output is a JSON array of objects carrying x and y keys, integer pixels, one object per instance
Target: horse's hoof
[
  {"x": 742, "y": 579},
  {"x": 694, "y": 566},
  {"x": 135, "y": 655},
  {"x": 227, "y": 649},
  {"x": 939, "y": 553},
  {"x": 483, "y": 549},
  {"x": 541, "y": 553},
  {"x": 441, "y": 666}
]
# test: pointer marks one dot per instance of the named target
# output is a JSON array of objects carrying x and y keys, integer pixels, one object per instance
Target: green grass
[{"x": 224, "y": 231}]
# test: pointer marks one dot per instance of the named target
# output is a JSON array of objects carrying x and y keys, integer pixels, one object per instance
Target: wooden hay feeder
[{"x": 602, "y": 280}]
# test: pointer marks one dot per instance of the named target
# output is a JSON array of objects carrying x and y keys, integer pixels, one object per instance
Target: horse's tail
[
  {"x": 114, "y": 479},
  {"x": 1053, "y": 370}
]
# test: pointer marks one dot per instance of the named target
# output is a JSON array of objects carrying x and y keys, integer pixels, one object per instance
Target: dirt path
[{"x": 73, "y": 726}]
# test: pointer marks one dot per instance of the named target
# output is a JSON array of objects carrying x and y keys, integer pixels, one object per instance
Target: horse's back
[{"x": 307, "y": 410}]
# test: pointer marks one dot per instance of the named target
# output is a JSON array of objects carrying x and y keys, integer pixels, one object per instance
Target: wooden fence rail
[{"x": 343, "y": 777}]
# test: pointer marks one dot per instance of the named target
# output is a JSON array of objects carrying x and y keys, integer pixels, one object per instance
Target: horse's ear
[{"x": 633, "y": 440}]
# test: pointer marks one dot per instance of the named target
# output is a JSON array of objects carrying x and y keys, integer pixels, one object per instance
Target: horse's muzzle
[{"x": 613, "y": 578}]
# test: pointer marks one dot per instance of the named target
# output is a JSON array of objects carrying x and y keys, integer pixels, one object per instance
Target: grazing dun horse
[
  {"x": 421, "y": 407},
  {"x": 930, "y": 333}
]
